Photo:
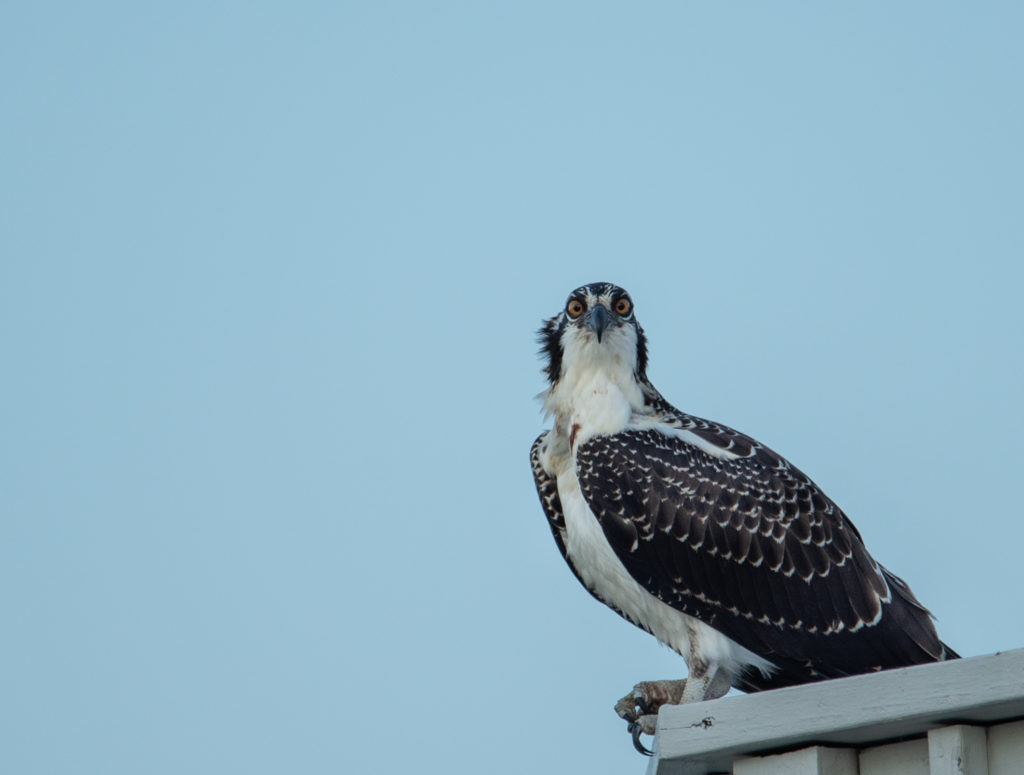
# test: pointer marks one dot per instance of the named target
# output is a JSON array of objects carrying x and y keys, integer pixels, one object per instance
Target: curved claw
[{"x": 636, "y": 730}]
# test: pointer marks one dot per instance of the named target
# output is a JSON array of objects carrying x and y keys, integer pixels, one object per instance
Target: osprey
[{"x": 708, "y": 540}]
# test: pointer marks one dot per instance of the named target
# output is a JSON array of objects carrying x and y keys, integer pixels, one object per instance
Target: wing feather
[{"x": 752, "y": 546}]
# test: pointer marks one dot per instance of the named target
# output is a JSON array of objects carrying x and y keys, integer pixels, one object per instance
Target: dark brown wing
[{"x": 752, "y": 547}]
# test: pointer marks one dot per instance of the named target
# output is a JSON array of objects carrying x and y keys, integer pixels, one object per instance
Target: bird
[{"x": 707, "y": 539}]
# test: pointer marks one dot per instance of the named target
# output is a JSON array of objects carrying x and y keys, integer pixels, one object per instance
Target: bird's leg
[
  {"x": 648, "y": 696},
  {"x": 706, "y": 685},
  {"x": 640, "y": 706}
]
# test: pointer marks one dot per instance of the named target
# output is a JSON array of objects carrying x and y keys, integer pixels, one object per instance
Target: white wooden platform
[{"x": 964, "y": 717}]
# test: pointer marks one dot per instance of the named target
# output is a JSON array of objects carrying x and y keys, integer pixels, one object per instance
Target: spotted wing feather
[
  {"x": 547, "y": 489},
  {"x": 752, "y": 547}
]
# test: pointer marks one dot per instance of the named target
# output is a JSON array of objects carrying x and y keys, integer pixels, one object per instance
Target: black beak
[{"x": 598, "y": 320}]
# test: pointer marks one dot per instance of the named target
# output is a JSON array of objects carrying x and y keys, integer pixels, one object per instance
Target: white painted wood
[
  {"x": 861, "y": 710},
  {"x": 958, "y": 750},
  {"x": 1006, "y": 749},
  {"x": 817, "y": 760},
  {"x": 907, "y": 758}
]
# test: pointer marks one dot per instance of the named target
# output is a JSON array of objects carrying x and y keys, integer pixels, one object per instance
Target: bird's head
[{"x": 597, "y": 327}]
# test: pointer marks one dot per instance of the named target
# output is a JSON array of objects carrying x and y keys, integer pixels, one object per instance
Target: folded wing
[{"x": 730, "y": 532}]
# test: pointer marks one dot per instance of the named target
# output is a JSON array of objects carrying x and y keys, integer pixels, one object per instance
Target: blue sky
[{"x": 270, "y": 281}]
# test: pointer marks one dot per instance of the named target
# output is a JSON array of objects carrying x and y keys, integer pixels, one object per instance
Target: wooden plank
[
  {"x": 705, "y": 737},
  {"x": 906, "y": 758},
  {"x": 1006, "y": 749},
  {"x": 817, "y": 760},
  {"x": 958, "y": 750}
]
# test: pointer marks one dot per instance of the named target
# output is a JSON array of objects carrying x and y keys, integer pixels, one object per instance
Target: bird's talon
[{"x": 635, "y": 729}]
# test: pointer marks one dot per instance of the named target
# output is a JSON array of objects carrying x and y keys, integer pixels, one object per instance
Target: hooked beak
[{"x": 598, "y": 321}]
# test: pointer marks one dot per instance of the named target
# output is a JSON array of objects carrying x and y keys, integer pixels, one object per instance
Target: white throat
[{"x": 597, "y": 392}]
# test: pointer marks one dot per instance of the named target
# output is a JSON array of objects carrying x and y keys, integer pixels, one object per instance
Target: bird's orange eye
[
  {"x": 622, "y": 306},
  {"x": 574, "y": 308}
]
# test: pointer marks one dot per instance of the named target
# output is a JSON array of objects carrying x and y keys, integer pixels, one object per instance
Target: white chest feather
[
  {"x": 599, "y": 403},
  {"x": 596, "y": 395}
]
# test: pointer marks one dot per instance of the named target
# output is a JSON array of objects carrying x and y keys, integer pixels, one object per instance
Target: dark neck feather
[
  {"x": 551, "y": 348},
  {"x": 641, "y": 353}
]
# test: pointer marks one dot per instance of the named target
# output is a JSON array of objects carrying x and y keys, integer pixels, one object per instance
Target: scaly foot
[{"x": 640, "y": 707}]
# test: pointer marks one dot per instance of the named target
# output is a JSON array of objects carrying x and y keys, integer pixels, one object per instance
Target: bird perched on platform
[{"x": 705, "y": 538}]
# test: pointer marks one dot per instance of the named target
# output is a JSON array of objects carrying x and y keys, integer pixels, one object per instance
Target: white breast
[
  {"x": 596, "y": 394},
  {"x": 603, "y": 573}
]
